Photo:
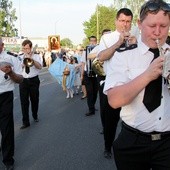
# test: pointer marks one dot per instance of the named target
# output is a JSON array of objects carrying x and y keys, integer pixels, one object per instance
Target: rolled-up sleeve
[{"x": 117, "y": 72}]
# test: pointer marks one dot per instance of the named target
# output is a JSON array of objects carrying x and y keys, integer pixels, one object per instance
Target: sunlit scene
[{"x": 84, "y": 85}]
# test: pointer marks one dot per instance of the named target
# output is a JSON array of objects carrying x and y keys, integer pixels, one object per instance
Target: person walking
[
  {"x": 136, "y": 83},
  {"x": 10, "y": 73},
  {"x": 89, "y": 80},
  {"x": 29, "y": 88},
  {"x": 109, "y": 43}
]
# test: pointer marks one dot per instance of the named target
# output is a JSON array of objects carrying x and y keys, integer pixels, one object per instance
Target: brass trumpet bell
[
  {"x": 97, "y": 67},
  {"x": 28, "y": 62}
]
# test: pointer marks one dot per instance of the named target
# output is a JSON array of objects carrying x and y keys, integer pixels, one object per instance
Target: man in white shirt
[
  {"x": 109, "y": 43},
  {"x": 10, "y": 73},
  {"x": 89, "y": 78},
  {"x": 29, "y": 88},
  {"x": 144, "y": 141}
]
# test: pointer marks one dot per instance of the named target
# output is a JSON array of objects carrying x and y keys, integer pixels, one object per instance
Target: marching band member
[
  {"x": 10, "y": 73},
  {"x": 90, "y": 81},
  {"x": 135, "y": 82},
  {"x": 29, "y": 88},
  {"x": 109, "y": 42}
]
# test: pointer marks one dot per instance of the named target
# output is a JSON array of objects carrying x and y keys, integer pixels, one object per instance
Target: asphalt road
[{"x": 63, "y": 139}]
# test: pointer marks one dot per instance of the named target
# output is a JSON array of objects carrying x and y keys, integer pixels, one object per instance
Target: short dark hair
[
  {"x": 75, "y": 59},
  {"x": 25, "y": 42},
  {"x": 154, "y": 6},
  {"x": 168, "y": 40},
  {"x": 92, "y": 37},
  {"x": 124, "y": 11},
  {"x": 105, "y": 30}
]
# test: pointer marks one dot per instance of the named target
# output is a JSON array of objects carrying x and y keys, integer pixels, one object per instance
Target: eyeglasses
[
  {"x": 124, "y": 21},
  {"x": 154, "y": 7},
  {"x": 25, "y": 48}
]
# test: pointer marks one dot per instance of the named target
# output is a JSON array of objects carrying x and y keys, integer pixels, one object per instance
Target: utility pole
[
  {"x": 97, "y": 11},
  {"x": 20, "y": 23}
]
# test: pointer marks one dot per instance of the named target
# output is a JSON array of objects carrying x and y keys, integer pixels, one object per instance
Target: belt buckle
[{"x": 156, "y": 137}]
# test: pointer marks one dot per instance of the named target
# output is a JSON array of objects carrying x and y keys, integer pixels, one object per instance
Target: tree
[
  {"x": 104, "y": 17},
  {"x": 66, "y": 42},
  {"x": 7, "y": 19}
]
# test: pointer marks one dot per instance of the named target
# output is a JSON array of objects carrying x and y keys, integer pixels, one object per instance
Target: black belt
[
  {"x": 31, "y": 78},
  {"x": 153, "y": 136}
]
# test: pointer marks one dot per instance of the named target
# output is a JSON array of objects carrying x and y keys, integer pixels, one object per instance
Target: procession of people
[{"x": 133, "y": 89}]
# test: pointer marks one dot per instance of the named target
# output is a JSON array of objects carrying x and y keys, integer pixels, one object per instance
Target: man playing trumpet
[
  {"x": 135, "y": 83},
  {"x": 29, "y": 88}
]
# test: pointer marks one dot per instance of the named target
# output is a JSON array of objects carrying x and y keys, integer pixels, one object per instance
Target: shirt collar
[{"x": 142, "y": 47}]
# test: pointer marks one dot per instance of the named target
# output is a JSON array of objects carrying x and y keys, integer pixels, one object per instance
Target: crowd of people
[{"x": 134, "y": 87}]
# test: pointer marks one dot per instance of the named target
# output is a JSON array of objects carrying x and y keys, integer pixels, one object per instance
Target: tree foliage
[
  {"x": 66, "y": 42},
  {"x": 104, "y": 16},
  {"x": 7, "y": 19}
]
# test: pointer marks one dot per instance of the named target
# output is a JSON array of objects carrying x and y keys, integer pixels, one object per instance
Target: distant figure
[{"x": 48, "y": 58}]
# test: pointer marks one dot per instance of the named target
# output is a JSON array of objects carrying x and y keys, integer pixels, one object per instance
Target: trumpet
[
  {"x": 29, "y": 61},
  {"x": 166, "y": 63}
]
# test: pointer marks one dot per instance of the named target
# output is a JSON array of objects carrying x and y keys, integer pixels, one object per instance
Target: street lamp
[{"x": 97, "y": 23}]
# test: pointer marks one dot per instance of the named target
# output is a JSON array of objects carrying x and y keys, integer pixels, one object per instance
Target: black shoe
[
  {"x": 36, "y": 120},
  {"x": 24, "y": 126},
  {"x": 90, "y": 113},
  {"x": 107, "y": 154},
  {"x": 9, "y": 167}
]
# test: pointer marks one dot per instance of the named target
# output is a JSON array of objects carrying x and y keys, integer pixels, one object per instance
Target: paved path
[{"x": 64, "y": 139}]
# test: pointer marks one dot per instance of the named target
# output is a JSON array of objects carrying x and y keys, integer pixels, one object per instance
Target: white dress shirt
[
  {"x": 33, "y": 70},
  {"x": 106, "y": 41},
  {"x": 83, "y": 58},
  {"x": 125, "y": 67},
  {"x": 8, "y": 84}
]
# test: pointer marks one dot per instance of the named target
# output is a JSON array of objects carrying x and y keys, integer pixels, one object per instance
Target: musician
[
  {"x": 10, "y": 73},
  {"x": 29, "y": 88},
  {"x": 89, "y": 81},
  {"x": 135, "y": 83},
  {"x": 108, "y": 44}
]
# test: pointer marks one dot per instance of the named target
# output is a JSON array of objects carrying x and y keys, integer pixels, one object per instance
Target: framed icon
[{"x": 54, "y": 42}]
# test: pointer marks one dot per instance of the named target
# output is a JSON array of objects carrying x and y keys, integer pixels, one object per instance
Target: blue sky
[{"x": 40, "y": 18}]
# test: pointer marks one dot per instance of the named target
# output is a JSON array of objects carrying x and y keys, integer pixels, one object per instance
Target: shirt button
[{"x": 159, "y": 118}]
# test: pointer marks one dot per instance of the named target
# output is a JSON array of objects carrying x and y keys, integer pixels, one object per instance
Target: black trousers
[
  {"x": 7, "y": 127},
  {"x": 109, "y": 117},
  {"x": 137, "y": 151},
  {"x": 92, "y": 90},
  {"x": 29, "y": 90}
]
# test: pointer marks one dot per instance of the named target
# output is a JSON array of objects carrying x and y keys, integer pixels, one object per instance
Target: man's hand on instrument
[{"x": 6, "y": 69}]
